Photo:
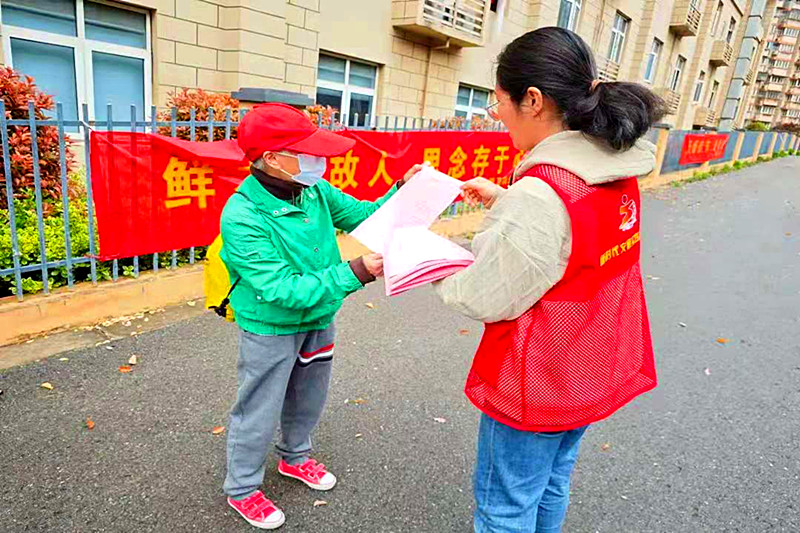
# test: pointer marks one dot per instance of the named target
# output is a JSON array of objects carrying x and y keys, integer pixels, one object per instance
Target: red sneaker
[
  {"x": 311, "y": 473},
  {"x": 259, "y": 511}
]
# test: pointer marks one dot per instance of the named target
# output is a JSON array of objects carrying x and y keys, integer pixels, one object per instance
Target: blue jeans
[{"x": 522, "y": 478}]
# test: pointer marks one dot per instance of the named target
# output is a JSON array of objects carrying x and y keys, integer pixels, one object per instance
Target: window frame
[
  {"x": 347, "y": 89},
  {"x": 470, "y": 110},
  {"x": 716, "y": 19},
  {"x": 618, "y": 38},
  {"x": 654, "y": 56},
  {"x": 575, "y": 8},
  {"x": 675, "y": 80},
  {"x": 713, "y": 94},
  {"x": 699, "y": 86},
  {"x": 82, "y": 48},
  {"x": 731, "y": 31}
]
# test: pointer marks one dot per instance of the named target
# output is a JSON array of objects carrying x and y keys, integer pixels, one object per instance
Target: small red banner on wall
[{"x": 699, "y": 148}]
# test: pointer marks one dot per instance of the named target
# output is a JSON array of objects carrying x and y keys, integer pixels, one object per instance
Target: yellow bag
[{"x": 216, "y": 282}]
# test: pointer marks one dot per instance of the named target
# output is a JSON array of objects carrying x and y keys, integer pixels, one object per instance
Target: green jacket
[{"x": 293, "y": 278}]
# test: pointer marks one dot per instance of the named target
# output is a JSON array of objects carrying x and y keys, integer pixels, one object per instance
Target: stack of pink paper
[{"x": 414, "y": 255}]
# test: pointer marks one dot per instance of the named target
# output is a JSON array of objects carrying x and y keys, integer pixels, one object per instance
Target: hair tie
[{"x": 595, "y": 83}]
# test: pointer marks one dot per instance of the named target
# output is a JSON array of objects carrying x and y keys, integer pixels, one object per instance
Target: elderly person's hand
[
  {"x": 374, "y": 264},
  {"x": 413, "y": 171}
]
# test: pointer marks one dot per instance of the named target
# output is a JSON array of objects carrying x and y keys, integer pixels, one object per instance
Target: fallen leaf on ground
[
  {"x": 605, "y": 447},
  {"x": 722, "y": 340},
  {"x": 89, "y": 424},
  {"x": 320, "y": 503},
  {"x": 463, "y": 332},
  {"x": 654, "y": 278},
  {"x": 682, "y": 324},
  {"x": 191, "y": 304},
  {"x": 133, "y": 360},
  {"x": 65, "y": 359},
  {"x": 359, "y": 435},
  {"x": 707, "y": 371},
  {"x": 440, "y": 420},
  {"x": 624, "y": 497},
  {"x": 358, "y": 401},
  {"x": 219, "y": 430},
  {"x": 370, "y": 305},
  {"x": 47, "y": 385},
  {"x": 125, "y": 369},
  {"x": 109, "y": 348}
]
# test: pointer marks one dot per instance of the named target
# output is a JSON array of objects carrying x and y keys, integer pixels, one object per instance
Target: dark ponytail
[{"x": 560, "y": 64}]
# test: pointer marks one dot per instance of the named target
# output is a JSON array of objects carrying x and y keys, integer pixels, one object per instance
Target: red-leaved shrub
[{"x": 16, "y": 91}]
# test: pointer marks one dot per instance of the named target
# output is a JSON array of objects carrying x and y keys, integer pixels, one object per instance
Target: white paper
[{"x": 418, "y": 203}]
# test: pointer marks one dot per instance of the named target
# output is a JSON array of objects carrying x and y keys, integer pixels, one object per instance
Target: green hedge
[{"x": 28, "y": 237}]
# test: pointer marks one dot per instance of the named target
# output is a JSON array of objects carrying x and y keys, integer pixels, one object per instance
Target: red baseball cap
[{"x": 275, "y": 127}]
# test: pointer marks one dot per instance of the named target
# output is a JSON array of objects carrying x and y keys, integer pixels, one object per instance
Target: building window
[
  {"x": 781, "y": 64},
  {"x": 618, "y": 33},
  {"x": 789, "y": 32},
  {"x": 82, "y": 51},
  {"x": 471, "y": 101},
  {"x": 716, "y": 19},
  {"x": 731, "y": 30},
  {"x": 775, "y": 79},
  {"x": 348, "y": 87},
  {"x": 713, "y": 97},
  {"x": 652, "y": 60},
  {"x": 568, "y": 14},
  {"x": 677, "y": 74},
  {"x": 764, "y": 110},
  {"x": 698, "y": 88}
]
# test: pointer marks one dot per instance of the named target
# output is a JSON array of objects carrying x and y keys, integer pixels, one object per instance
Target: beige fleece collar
[{"x": 589, "y": 159}]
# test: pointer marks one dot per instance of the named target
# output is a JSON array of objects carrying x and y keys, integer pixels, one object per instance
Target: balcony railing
[
  {"x": 721, "y": 54},
  {"x": 705, "y": 117},
  {"x": 607, "y": 70},
  {"x": 671, "y": 98},
  {"x": 685, "y": 21},
  {"x": 460, "y": 22}
]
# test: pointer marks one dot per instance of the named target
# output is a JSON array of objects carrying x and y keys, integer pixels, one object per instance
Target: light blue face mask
[{"x": 312, "y": 168}]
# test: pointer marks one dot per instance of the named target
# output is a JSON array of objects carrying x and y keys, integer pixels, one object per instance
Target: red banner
[
  {"x": 380, "y": 158},
  {"x": 154, "y": 193},
  {"x": 699, "y": 148}
]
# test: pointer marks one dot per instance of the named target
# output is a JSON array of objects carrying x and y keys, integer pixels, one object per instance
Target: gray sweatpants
[{"x": 281, "y": 378}]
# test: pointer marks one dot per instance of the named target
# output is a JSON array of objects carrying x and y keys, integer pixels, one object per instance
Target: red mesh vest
[{"x": 584, "y": 350}]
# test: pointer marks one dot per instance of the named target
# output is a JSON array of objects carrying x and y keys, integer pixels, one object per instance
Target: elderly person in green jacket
[{"x": 280, "y": 248}]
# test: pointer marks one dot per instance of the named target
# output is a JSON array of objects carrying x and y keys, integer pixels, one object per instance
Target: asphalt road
[{"x": 715, "y": 448}]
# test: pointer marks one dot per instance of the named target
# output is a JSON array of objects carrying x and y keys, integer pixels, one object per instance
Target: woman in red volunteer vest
[{"x": 557, "y": 279}]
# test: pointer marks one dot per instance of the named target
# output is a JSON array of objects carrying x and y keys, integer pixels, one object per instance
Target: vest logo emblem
[{"x": 628, "y": 212}]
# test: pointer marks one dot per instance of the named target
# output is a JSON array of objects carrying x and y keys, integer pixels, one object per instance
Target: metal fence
[
  {"x": 43, "y": 248},
  {"x": 672, "y": 156},
  {"x": 54, "y": 258},
  {"x": 749, "y": 144},
  {"x": 730, "y": 148},
  {"x": 766, "y": 143}
]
